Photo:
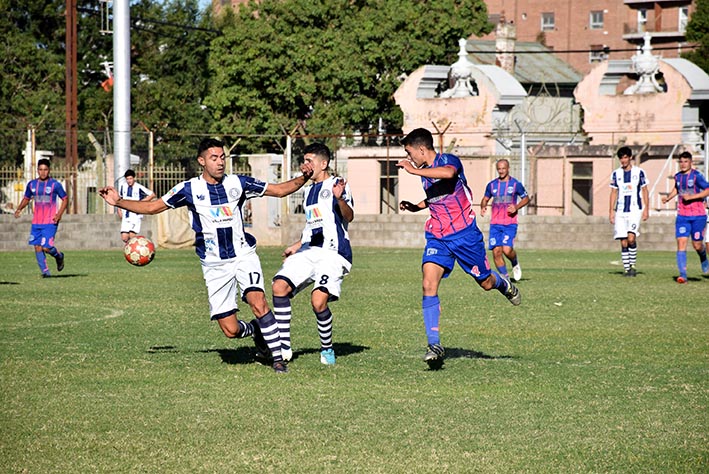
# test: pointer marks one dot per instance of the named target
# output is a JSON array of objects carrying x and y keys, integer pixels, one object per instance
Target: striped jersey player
[
  {"x": 692, "y": 189},
  {"x": 132, "y": 190},
  {"x": 323, "y": 255},
  {"x": 452, "y": 235},
  {"x": 629, "y": 203},
  {"x": 227, "y": 253}
]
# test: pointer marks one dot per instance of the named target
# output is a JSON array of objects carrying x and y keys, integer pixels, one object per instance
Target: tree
[
  {"x": 698, "y": 32},
  {"x": 332, "y": 66}
]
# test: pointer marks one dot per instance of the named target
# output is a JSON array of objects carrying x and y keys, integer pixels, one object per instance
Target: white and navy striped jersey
[
  {"x": 136, "y": 192},
  {"x": 629, "y": 184},
  {"x": 324, "y": 224},
  {"x": 216, "y": 213}
]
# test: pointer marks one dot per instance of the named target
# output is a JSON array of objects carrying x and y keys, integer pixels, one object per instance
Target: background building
[{"x": 593, "y": 27}]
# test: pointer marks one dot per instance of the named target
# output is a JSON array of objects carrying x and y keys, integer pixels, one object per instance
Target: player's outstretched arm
[
  {"x": 292, "y": 185},
  {"x": 22, "y": 205},
  {"x": 291, "y": 249},
  {"x": 110, "y": 195},
  {"x": 669, "y": 197}
]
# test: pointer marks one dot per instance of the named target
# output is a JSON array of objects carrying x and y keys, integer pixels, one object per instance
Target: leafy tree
[
  {"x": 698, "y": 32},
  {"x": 330, "y": 65}
]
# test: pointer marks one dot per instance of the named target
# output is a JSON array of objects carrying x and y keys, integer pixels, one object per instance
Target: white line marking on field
[{"x": 116, "y": 313}]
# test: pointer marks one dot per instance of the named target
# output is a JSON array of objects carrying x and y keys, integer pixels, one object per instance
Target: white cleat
[
  {"x": 287, "y": 354},
  {"x": 517, "y": 273}
]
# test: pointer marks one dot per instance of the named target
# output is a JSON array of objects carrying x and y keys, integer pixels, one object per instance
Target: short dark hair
[
  {"x": 129, "y": 173},
  {"x": 319, "y": 149},
  {"x": 685, "y": 154},
  {"x": 418, "y": 137},
  {"x": 44, "y": 161},
  {"x": 208, "y": 143},
  {"x": 623, "y": 151}
]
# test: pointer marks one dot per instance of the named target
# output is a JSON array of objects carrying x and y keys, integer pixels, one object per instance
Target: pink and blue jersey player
[
  {"x": 45, "y": 191},
  {"x": 691, "y": 221},
  {"x": 504, "y": 192},
  {"x": 452, "y": 235}
]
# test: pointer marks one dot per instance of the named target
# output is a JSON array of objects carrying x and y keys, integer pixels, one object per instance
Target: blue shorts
[
  {"x": 694, "y": 226},
  {"x": 466, "y": 247},
  {"x": 502, "y": 235},
  {"x": 43, "y": 234}
]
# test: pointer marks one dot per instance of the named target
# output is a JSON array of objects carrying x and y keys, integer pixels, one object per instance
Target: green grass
[{"x": 113, "y": 368}]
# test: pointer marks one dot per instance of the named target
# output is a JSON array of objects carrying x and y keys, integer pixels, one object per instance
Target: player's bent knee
[{"x": 488, "y": 283}]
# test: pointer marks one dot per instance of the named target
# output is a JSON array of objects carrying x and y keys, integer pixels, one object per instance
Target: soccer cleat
[
  {"x": 287, "y": 354},
  {"x": 632, "y": 272},
  {"x": 60, "y": 262},
  {"x": 705, "y": 267},
  {"x": 280, "y": 367},
  {"x": 262, "y": 350},
  {"x": 327, "y": 357},
  {"x": 681, "y": 280},
  {"x": 434, "y": 356},
  {"x": 513, "y": 294},
  {"x": 46, "y": 275},
  {"x": 626, "y": 273},
  {"x": 517, "y": 272}
]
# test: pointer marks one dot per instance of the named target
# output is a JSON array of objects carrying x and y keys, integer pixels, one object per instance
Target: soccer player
[
  {"x": 629, "y": 203},
  {"x": 45, "y": 221},
  {"x": 322, "y": 257},
  {"x": 691, "y": 221},
  {"x": 452, "y": 235},
  {"x": 134, "y": 191},
  {"x": 227, "y": 253},
  {"x": 504, "y": 192}
]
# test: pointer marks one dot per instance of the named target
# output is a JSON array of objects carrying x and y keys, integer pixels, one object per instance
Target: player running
[
  {"x": 452, "y": 235},
  {"x": 45, "y": 220},
  {"x": 504, "y": 191},
  {"x": 323, "y": 255}
]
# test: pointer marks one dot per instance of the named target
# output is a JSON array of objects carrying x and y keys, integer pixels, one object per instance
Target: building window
[
  {"x": 547, "y": 21},
  {"x": 683, "y": 18},
  {"x": 582, "y": 188},
  {"x": 642, "y": 20},
  {"x": 595, "y": 21},
  {"x": 388, "y": 187},
  {"x": 599, "y": 52}
]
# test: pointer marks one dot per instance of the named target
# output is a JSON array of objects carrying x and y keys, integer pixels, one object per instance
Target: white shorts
[
  {"x": 222, "y": 279},
  {"x": 626, "y": 222},
  {"x": 323, "y": 268},
  {"x": 131, "y": 223}
]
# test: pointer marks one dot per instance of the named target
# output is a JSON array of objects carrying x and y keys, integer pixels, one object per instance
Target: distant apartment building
[
  {"x": 583, "y": 31},
  {"x": 217, "y": 5}
]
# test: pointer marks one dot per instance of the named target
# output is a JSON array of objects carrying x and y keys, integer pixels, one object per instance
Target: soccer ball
[{"x": 139, "y": 251}]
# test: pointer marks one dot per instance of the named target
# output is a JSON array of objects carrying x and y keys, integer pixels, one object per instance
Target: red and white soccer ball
[{"x": 139, "y": 251}]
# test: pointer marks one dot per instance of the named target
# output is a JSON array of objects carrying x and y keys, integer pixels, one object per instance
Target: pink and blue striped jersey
[
  {"x": 44, "y": 194},
  {"x": 504, "y": 193},
  {"x": 449, "y": 200},
  {"x": 216, "y": 214},
  {"x": 691, "y": 182}
]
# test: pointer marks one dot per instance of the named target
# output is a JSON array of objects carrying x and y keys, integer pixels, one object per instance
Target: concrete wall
[{"x": 396, "y": 230}]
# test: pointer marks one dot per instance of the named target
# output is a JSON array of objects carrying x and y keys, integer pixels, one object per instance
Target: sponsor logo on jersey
[
  {"x": 325, "y": 193},
  {"x": 313, "y": 213},
  {"x": 200, "y": 197},
  {"x": 223, "y": 211}
]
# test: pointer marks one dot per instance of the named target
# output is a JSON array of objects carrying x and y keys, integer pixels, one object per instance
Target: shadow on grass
[
  {"x": 458, "y": 353},
  {"x": 342, "y": 349},
  {"x": 238, "y": 355},
  {"x": 9, "y": 283},
  {"x": 69, "y": 275},
  {"x": 161, "y": 349}
]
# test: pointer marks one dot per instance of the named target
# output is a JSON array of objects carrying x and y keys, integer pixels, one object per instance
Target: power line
[{"x": 604, "y": 50}]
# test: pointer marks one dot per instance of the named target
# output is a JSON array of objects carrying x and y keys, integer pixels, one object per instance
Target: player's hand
[
  {"x": 18, "y": 212},
  {"x": 664, "y": 199},
  {"x": 646, "y": 214},
  {"x": 56, "y": 218},
  {"x": 483, "y": 210},
  {"x": 408, "y": 206},
  {"x": 511, "y": 210},
  {"x": 406, "y": 164},
  {"x": 109, "y": 194},
  {"x": 307, "y": 170},
  {"x": 339, "y": 187},
  {"x": 290, "y": 250}
]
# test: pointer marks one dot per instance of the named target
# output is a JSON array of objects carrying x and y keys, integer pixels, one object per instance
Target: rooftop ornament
[
  {"x": 646, "y": 66},
  {"x": 462, "y": 73}
]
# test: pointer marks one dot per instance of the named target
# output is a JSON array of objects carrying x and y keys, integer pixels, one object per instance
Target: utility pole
[{"x": 72, "y": 108}]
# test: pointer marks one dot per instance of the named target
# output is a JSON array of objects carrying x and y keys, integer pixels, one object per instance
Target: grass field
[{"x": 112, "y": 368}]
